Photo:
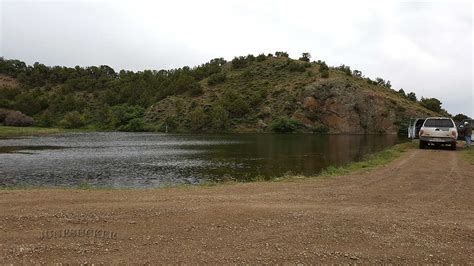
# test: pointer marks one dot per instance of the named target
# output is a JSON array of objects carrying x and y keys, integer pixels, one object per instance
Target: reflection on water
[{"x": 153, "y": 160}]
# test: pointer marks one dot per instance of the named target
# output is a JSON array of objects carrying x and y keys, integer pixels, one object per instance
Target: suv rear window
[{"x": 439, "y": 123}]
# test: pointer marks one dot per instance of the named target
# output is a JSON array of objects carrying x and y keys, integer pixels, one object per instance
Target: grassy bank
[
  {"x": 469, "y": 154},
  {"x": 370, "y": 161},
  {"x": 6, "y": 131}
]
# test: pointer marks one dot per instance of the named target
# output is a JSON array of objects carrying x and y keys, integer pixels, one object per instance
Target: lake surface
[{"x": 145, "y": 160}]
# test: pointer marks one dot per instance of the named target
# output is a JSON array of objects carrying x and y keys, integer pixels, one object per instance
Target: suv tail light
[
  {"x": 453, "y": 133},
  {"x": 421, "y": 132}
]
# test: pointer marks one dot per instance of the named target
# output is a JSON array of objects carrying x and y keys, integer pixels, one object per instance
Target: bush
[
  {"x": 3, "y": 114},
  {"x": 121, "y": 115},
  {"x": 261, "y": 58},
  {"x": 325, "y": 73},
  {"x": 134, "y": 125},
  {"x": 285, "y": 125},
  {"x": 72, "y": 120},
  {"x": 238, "y": 107},
  {"x": 281, "y": 54},
  {"x": 346, "y": 69},
  {"x": 412, "y": 97},
  {"x": 321, "y": 129},
  {"x": 216, "y": 79},
  {"x": 195, "y": 90},
  {"x": 18, "y": 119},
  {"x": 305, "y": 57},
  {"x": 234, "y": 103},
  {"x": 296, "y": 67},
  {"x": 219, "y": 117},
  {"x": 197, "y": 118},
  {"x": 432, "y": 104},
  {"x": 239, "y": 62},
  {"x": 458, "y": 118}
]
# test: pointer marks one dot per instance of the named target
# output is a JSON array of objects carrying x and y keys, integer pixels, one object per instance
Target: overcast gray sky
[{"x": 425, "y": 47}]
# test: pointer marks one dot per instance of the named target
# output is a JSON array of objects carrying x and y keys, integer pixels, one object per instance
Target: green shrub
[
  {"x": 197, "y": 118},
  {"x": 134, "y": 125},
  {"x": 195, "y": 90},
  {"x": 239, "y": 107},
  {"x": 320, "y": 129},
  {"x": 305, "y": 57},
  {"x": 72, "y": 120},
  {"x": 281, "y": 54},
  {"x": 234, "y": 103},
  {"x": 412, "y": 96},
  {"x": 295, "y": 67},
  {"x": 403, "y": 127},
  {"x": 261, "y": 58},
  {"x": 121, "y": 115},
  {"x": 216, "y": 78},
  {"x": 285, "y": 125},
  {"x": 239, "y": 62},
  {"x": 325, "y": 73},
  {"x": 219, "y": 117},
  {"x": 432, "y": 104}
]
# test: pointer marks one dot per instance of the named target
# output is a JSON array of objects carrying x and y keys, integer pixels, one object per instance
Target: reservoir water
[{"x": 148, "y": 160}]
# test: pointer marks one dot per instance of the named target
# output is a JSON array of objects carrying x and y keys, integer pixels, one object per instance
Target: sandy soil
[{"x": 417, "y": 209}]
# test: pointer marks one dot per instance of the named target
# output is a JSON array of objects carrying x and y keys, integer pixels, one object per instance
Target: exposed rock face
[{"x": 348, "y": 108}]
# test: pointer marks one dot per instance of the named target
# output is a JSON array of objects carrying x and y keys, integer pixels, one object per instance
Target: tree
[
  {"x": 432, "y": 104},
  {"x": 239, "y": 62},
  {"x": 261, "y": 57},
  {"x": 219, "y": 117},
  {"x": 216, "y": 79},
  {"x": 305, "y": 57},
  {"x": 412, "y": 97},
  {"x": 197, "y": 118},
  {"x": 460, "y": 117},
  {"x": 72, "y": 120},
  {"x": 402, "y": 92},
  {"x": 281, "y": 54}
]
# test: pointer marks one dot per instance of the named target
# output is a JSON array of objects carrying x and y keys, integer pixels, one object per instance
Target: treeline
[
  {"x": 100, "y": 97},
  {"x": 73, "y": 97}
]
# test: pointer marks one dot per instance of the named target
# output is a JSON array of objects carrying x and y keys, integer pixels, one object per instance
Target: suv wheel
[
  {"x": 422, "y": 144},
  {"x": 453, "y": 146}
]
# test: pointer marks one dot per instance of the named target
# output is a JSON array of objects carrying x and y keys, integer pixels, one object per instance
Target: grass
[
  {"x": 6, "y": 131},
  {"x": 369, "y": 162},
  {"x": 469, "y": 154}
]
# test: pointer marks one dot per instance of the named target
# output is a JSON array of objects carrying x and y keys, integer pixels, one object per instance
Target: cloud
[{"x": 425, "y": 47}]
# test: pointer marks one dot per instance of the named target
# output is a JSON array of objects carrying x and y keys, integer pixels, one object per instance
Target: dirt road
[{"x": 419, "y": 208}]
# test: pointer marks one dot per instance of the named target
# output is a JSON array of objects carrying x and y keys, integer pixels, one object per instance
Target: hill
[{"x": 249, "y": 94}]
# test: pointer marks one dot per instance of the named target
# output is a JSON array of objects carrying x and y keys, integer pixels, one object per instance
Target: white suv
[{"x": 438, "y": 131}]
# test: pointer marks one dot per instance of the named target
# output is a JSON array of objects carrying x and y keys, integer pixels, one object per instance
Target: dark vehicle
[{"x": 460, "y": 128}]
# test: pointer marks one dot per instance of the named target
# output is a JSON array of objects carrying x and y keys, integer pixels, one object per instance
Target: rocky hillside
[
  {"x": 262, "y": 94},
  {"x": 249, "y": 94}
]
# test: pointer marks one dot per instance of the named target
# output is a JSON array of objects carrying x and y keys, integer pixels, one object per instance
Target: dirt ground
[{"x": 420, "y": 208}]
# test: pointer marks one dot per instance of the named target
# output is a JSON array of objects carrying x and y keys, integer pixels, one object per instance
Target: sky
[{"x": 425, "y": 47}]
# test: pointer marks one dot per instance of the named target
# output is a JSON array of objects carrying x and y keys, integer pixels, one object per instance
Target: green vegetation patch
[
  {"x": 6, "y": 131},
  {"x": 370, "y": 161},
  {"x": 469, "y": 154}
]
